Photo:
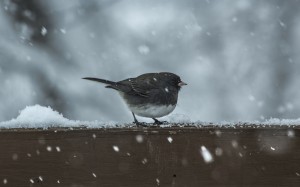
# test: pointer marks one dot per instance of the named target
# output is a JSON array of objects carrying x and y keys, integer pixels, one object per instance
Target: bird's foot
[{"x": 157, "y": 122}]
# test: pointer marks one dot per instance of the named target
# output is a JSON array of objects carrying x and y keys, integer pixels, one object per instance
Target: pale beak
[{"x": 182, "y": 84}]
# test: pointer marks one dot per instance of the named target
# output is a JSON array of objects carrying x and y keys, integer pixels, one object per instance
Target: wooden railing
[{"x": 173, "y": 156}]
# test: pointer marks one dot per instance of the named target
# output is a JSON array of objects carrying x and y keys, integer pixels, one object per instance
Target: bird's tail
[{"x": 107, "y": 82}]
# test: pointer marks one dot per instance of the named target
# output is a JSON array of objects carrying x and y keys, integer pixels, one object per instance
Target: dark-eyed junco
[{"x": 151, "y": 95}]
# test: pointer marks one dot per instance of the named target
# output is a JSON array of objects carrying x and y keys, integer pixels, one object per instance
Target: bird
[{"x": 151, "y": 95}]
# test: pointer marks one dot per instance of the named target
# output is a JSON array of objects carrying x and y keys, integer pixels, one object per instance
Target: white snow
[
  {"x": 63, "y": 31},
  {"x": 170, "y": 139},
  {"x": 219, "y": 151},
  {"x": 58, "y": 149},
  {"x": 157, "y": 181},
  {"x": 218, "y": 133},
  {"x": 116, "y": 148},
  {"x": 178, "y": 118},
  {"x": 234, "y": 144},
  {"x": 45, "y": 117},
  {"x": 15, "y": 156},
  {"x": 291, "y": 133},
  {"x": 49, "y": 148},
  {"x": 144, "y": 161},
  {"x": 207, "y": 157},
  {"x": 44, "y": 31},
  {"x": 139, "y": 138},
  {"x": 37, "y": 116}
]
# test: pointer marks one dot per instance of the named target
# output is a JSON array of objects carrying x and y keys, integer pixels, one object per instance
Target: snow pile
[{"x": 44, "y": 117}]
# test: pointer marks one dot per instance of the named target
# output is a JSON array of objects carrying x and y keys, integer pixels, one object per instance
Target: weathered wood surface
[{"x": 263, "y": 156}]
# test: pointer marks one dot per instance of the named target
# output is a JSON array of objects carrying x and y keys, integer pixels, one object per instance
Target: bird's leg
[{"x": 137, "y": 122}]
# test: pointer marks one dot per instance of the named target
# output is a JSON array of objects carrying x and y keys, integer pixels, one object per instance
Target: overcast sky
[{"x": 240, "y": 58}]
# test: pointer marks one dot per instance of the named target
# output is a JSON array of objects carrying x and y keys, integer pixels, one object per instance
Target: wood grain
[{"x": 264, "y": 156}]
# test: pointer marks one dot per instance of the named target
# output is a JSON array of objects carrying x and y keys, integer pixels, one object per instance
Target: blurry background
[{"x": 240, "y": 58}]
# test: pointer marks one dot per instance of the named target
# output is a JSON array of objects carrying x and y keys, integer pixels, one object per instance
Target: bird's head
[{"x": 173, "y": 80}]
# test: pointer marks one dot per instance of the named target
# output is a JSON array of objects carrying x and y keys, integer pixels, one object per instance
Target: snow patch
[
  {"x": 37, "y": 116},
  {"x": 45, "y": 117}
]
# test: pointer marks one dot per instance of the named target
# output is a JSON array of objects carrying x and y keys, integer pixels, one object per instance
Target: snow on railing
[{"x": 45, "y": 117}]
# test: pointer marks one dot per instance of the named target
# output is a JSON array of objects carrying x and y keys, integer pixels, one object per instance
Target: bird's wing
[
  {"x": 141, "y": 86},
  {"x": 137, "y": 88}
]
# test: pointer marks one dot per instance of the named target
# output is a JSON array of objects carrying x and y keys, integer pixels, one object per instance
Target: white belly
[{"x": 152, "y": 111}]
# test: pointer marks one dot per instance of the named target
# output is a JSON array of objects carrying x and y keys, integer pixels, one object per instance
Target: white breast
[{"x": 152, "y": 111}]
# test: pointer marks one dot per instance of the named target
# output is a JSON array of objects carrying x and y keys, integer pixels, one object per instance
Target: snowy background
[{"x": 240, "y": 58}]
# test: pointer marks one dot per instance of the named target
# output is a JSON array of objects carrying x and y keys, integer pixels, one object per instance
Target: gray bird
[{"x": 151, "y": 95}]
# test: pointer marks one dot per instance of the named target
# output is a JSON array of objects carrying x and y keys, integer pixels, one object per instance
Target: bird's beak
[{"x": 182, "y": 84}]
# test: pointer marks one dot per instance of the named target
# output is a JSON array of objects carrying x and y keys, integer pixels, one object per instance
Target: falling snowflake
[
  {"x": 116, "y": 148},
  {"x": 157, "y": 181},
  {"x": 49, "y": 148},
  {"x": 207, "y": 157},
  {"x": 219, "y": 151},
  {"x": 139, "y": 138},
  {"x": 145, "y": 160},
  {"x": 57, "y": 149},
  {"x": 63, "y": 31},
  {"x": 44, "y": 31}
]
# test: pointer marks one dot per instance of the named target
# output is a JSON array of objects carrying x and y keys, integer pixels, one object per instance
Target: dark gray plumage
[{"x": 148, "y": 95}]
